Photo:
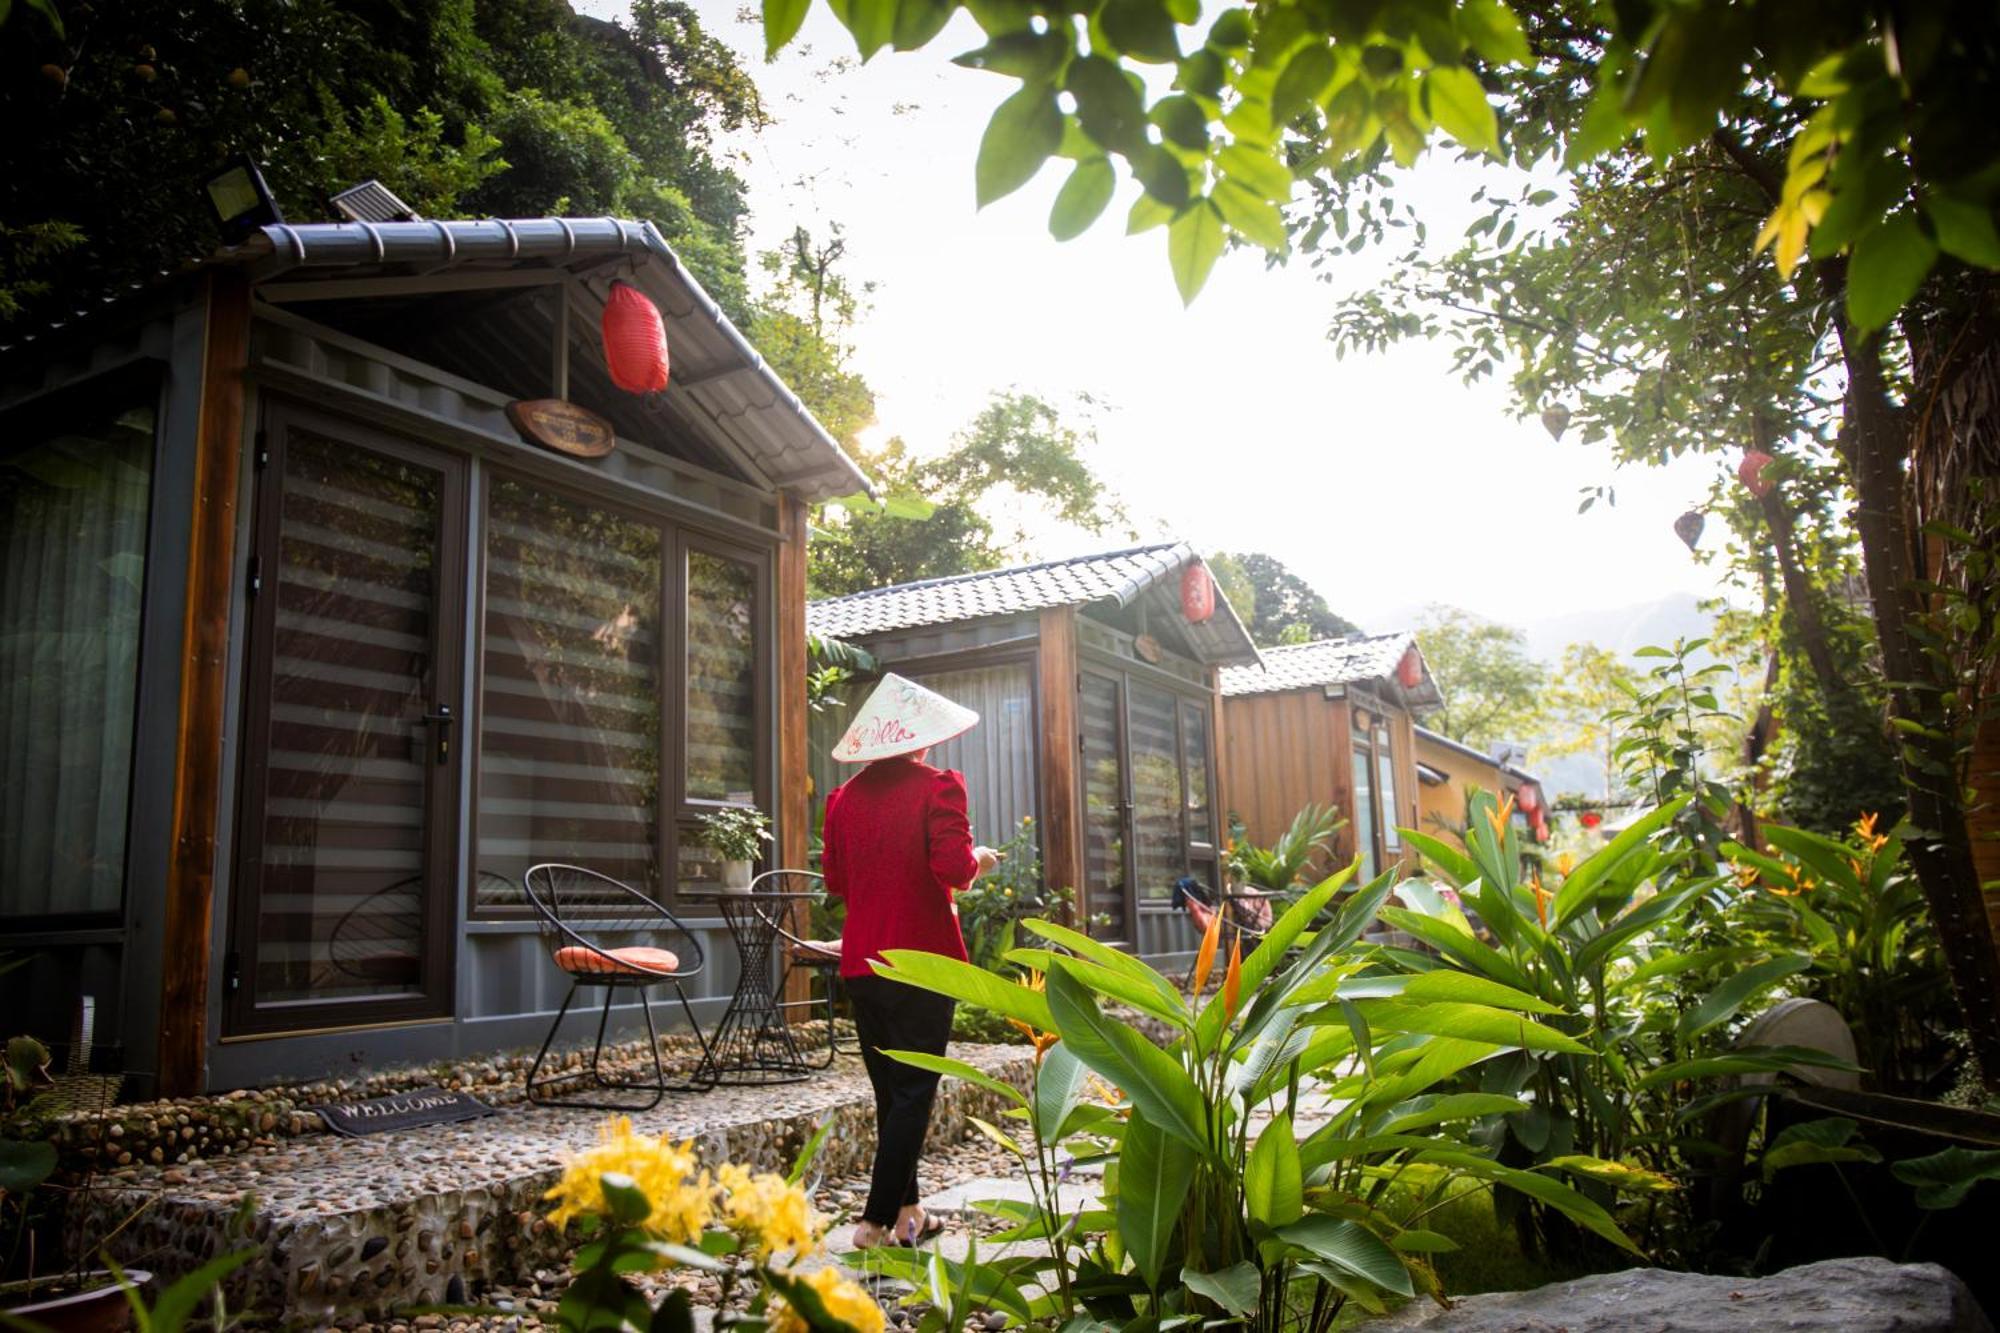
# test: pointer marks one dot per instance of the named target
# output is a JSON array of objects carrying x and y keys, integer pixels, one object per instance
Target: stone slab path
[{"x": 364, "y": 1226}]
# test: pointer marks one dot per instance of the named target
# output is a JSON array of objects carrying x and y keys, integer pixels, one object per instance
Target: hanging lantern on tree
[
  {"x": 635, "y": 340},
  {"x": 1589, "y": 818},
  {"x": 1410, "y": 671},
  {"x": 1751, "y": 472},
  {"x": 1528, "y": 798},
  {"x": 1555, "y": 420},
  {"x": 1197, "y": 594},
  {"x": 1688, "y": 527}
]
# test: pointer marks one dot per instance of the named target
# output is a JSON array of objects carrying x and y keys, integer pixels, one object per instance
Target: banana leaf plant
[
  {"x": 1642, "y": 995},
  {"x": 1249, "y": 1160}
]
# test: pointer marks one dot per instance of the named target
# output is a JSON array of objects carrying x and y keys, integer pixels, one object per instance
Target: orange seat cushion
[{"x": 637, "y": 959}]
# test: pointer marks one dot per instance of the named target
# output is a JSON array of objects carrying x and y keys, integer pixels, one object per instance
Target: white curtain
[
  {"x": 997, "y": 756},
  {"x": 73, "y": 508}
]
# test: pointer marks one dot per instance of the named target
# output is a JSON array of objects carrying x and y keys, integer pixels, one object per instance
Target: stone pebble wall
[{"x": 428, "y": 1233}]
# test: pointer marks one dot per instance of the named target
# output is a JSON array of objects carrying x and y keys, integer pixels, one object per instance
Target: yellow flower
[
  {"x": 843, "y": 1298},
  {"x": 1564, "y": 864},
  {"x": 1498, "y": 817},
  {"x": 766, "y": 1211},
  {"x": 1864, "y": 829},
  {"x": 683, "y": 1202},
  {"x": 1542, "y": 897},
  {"x": 1746, "y": 876},
  {"x": 1038, "y": 983}
]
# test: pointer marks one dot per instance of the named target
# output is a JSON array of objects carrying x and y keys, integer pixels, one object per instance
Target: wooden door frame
[{"x": 241, "y": 1016}]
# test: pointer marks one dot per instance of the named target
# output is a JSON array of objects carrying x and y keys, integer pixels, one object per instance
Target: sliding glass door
[{"x": 343, "y": 906}]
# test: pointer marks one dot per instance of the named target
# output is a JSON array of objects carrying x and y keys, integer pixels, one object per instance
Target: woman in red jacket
[{"x": 895, "y": 846}]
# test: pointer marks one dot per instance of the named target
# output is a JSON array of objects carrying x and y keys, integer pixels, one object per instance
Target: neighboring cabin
[
  {"x": 1094, "y": 658},
  {"x": 307, "y": 655},
  {"x": 1331, "y": 722},
  {"x": 1450, "y": 771}
]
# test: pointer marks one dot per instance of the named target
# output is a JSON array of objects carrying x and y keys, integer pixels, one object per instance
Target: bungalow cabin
[
  {"x": 1331, "y": 722},
  {"x": 1095, "y": 682},
  {"x": 308, "y": 652},
  {"x": 1448, "y": 772}
]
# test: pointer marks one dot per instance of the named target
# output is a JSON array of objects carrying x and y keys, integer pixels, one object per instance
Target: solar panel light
[
  {"x": 371, "y": 201},
  {"x": 240, "y": 200}
]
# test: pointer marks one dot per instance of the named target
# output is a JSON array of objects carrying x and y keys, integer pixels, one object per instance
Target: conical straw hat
[{"x": 901, "y": 717}]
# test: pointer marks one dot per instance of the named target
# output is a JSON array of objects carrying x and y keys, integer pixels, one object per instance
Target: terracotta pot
[{"x": 99, "y": 1309}]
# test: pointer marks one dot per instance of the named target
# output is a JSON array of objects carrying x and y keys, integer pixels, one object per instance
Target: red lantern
[
  {"x": 1751, "y": 472},
  {"x": 1590, "y": 819},
  {"x": 1528, "y": 798},
  {"x": 1197, "y": 594},
  {"x": 635, "y": 341},
  {"x": 1410, "y": 671}
]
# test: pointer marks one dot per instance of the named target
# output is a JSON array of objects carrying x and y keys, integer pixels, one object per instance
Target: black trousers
[{"x": 890, "y": 1016}]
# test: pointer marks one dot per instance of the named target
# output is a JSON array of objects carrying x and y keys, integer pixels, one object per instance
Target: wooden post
[
  {"x": 198, "y": 778},
  {"x": 1218, "y": 803},
  {"x": 794, "y": 803},
  {"x": 1056, "y": 764}
]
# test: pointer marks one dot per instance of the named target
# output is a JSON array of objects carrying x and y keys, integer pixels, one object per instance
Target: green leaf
[
  {"x": 1273, "y": 1184},
  {"x": 24, "y": 1164},
  {"x": 1108, "y": 104},
  {"x": 1458, "y": 103},
  {"x": 1033, "y": 57},
  {"x": 963, "y": 981},
  {"x": 1422, "y": 1242},
  {"x": 1162, "y": 174},
  {"x": 1141, "y": 29},
  {"x": 1423, "y": 1112},
  {"x": 1943, "y": 1179},
  {"x": 1258, "y": 171},
  {"x": 1194, "y": 243},
  {"x": 1059, "y": 1083},
  {"x": 1254, "y": 217},
  {"x": 1025, "y": 130},
  {"x": 1618, "y": 1175},
  {"x": 1235, "y": 1288},
  {"x": 1353, "y": 1249},
  {"x": 1540, "y": 1188},
  {"x": 1965, "y": 229},
  {"x": 958, "y": 1069},
  {"x": 1446, "y": 984},
  {"x": 1456, "y": 865},
  {"x": 871, "y": 22},
  {"x": 782, "y": 19},
  {"x": 810, "y": 1153},
  {"x": 1456, "y": 944},
  {"x": 1154, "y": 1172},
  {"x": 1468, "y": 1022},
  {"x": 1305, "y": 78},
  {"x": 1152, "y": 1079},
  {"x": 177, "y": 1304},
  {"x": 1580, "y": 885},
  {"x": 1727, "y": 998},
  {"x": 1815, "y": 1142},
  {"x": 917, "y": 21},
  {"x": 1494, "y": 31},
  {"x": 1182, "y": 120},
  {"x": 1749, "y": 1060},
  {"x": 1889, "y": 264},
  {"x": 1148, "y": 213},
  {"x": 1655, "y": 910},
  {"x": 1112, "y": 984},
  {"x": 675, "y": 1315}
]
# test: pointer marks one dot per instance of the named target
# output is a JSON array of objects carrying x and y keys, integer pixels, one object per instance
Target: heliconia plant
[
  {"x": 1612, "y": 947},
  {"x": 1251, "y": 1157}
]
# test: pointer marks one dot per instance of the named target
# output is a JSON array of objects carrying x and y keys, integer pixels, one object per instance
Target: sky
[{"x": 1381, "y": 480}]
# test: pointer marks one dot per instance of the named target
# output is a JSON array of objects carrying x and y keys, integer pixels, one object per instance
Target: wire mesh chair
[
  {"x": 582, "y": 916},
  {"x": 817, "y": 958},
  {"x": 379, "y": 941}
]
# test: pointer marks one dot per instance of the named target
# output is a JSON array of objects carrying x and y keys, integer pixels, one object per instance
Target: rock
[{"x": 1866, "y": 1295}]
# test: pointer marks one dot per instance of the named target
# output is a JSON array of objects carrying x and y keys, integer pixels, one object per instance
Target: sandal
[{"x": 933, "y": 1228}]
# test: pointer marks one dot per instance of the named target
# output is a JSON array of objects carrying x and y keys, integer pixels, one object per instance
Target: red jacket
[{"x": 895, "y": 844}]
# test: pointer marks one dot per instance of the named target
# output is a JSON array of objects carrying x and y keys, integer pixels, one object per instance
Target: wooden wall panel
[
  {"x": 1056, "y": 764},
  {"x": 1283, "y": 752},
  {"x": 794, "y": 800},
  {"x": 198, "y": 777}
]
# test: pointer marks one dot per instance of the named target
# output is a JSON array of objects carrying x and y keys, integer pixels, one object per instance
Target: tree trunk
[{"x": 1940, "y": 851}]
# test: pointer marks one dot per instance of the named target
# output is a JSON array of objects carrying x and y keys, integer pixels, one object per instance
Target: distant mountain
[{"x": 1622, "y": 629}]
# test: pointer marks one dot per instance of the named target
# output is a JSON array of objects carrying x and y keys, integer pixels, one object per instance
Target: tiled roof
[
  {"x": 1443, "y": 741},
  {"x": 1119, "y": 576},
  {"x": 1350, "y": 661}
]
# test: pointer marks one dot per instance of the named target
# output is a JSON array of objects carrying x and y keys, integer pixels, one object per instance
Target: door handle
[{"x": 441, "y": 721}]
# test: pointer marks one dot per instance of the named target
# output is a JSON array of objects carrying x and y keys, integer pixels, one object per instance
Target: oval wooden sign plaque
[{"x": 556, "y": 423}]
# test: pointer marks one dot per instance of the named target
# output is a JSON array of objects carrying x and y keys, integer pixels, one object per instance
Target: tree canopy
[
  {"x": 1491, "y": 686},
  {"x": 1277, "y": 606}
]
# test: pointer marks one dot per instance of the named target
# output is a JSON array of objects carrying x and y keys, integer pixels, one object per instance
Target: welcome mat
[{"x": 409, "y": 1110}]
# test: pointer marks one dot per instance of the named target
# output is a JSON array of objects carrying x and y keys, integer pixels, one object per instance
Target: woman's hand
[{"x": 987, "y": 859}]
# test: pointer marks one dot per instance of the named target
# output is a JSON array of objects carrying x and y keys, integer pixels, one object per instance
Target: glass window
[
  {"x": 1364, "y": 811},
  {"x": 721, "y": 679},
  {"x": 1385, "y": 768},
  {"x": 1103, "y": 809},
  {"x": 73, "y": 505},
  {"x": 997, "y": 756},
  {"x": 569, "y": 763},
  {"x": 1157, "y": 798},
  {"x": 1194, "y": 729}
]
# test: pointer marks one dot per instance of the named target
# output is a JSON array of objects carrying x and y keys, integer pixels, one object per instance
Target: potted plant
[
  {"x": 74, "y": 1297},
  {"x": 736, "y": 835}
]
